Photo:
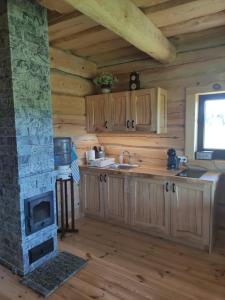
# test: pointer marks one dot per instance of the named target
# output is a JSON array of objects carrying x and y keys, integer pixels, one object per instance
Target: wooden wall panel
[
  {"x": 67, "y": 84},
  {"x": 192, "y": 68},
  {"x": 72, "y": 64},
  {"x": 68, "y": 102}
]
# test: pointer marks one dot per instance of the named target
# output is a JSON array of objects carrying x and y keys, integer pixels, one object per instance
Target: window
[{"x": 211, "y": 124}]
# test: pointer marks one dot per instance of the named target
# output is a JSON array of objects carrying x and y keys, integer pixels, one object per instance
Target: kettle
[{"x": 90, "y": 155}]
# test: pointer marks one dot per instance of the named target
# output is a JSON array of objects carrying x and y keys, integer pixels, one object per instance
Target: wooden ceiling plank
[
  {"x": 58, "y": 5},
  {"x": 103, "y": 47},
  {"x": 70, "y": 27},
  {"x": 85, "y": 38},
  {"x": 115, "y": 54},
  {"x": 126, "y": 20},
  {"x": 182, "y": 58},
  {"x": 71, "y": 64},
  {"x": 148, "y": 3},
  {"x": 199, "y": 40},
  {"x": 165, "y": 5},
  {"x": 195, "y": 25},
  {"x": 125, "y": 59},
  {"x": 185, "y": 12}
]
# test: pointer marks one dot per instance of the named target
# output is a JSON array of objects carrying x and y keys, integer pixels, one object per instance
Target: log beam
[
  {"x": 129, "y": 22},
  {"x": 72, "y": 64},
  {"x": 66, "y": 84}
]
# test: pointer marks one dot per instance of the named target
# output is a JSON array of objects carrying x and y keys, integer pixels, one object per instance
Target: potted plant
[{"x": 105, "y": 81}]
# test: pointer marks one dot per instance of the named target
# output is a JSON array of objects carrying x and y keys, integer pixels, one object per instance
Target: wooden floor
[{"x": 130, "y": 266}]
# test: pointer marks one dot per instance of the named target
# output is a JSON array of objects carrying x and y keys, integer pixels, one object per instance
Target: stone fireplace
[{"x": 28, "y": 232}]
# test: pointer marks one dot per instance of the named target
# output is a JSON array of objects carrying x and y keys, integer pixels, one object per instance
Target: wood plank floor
[{"x": 130, "y": 266}]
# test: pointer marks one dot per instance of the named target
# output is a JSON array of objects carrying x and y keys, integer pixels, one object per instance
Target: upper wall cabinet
[{"x": 141, "y": 110}]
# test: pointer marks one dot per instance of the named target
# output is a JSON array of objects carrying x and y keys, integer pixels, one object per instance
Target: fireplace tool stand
[{"x": 64, "y": 199}]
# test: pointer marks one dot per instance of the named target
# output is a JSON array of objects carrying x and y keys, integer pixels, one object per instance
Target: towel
[{"x": 74, "y": 166}]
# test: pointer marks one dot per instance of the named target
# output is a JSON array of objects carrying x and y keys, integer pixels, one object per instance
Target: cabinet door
[
  {"x": 120, "y": 111},
  {"x": 115, "y": 198},
  {"x": 97, "y": 109},
  {"x": 92, "y": 194},
  {"x": 150, "y": 205},
  {"x": 161, "y": 111},
  {"x": 190, "y": 213},
  {"x": 143, "y": 110}
]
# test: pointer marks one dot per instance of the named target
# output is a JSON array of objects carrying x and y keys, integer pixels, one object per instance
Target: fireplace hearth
[{"x": 39, "y": 212}]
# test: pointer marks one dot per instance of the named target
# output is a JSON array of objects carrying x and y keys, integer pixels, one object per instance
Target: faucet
[{"x": 123, "y": 154}]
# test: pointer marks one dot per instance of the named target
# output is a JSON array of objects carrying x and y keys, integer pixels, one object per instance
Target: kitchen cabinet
[
  {"x": 142, "y": 110},
  {"x": 115, "y": 198},
  {"x": 175, "y": 208},
  {"x": 190, "y": 213},
  {"x": 97, "y": 110},
  {"x": 150, "y": 205},
  {"x": 92, "y": 194},
  {"x": 103, "y": 195},
  {"x": 119, "y": 107}
]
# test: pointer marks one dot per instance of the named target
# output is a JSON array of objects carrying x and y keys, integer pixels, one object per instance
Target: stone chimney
[{"x": 28, "y": 233}]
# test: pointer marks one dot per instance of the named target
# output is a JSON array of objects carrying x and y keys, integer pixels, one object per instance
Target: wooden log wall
[
  {"x": 197, "y": 63},
  {"x": 70, "y": 82}
]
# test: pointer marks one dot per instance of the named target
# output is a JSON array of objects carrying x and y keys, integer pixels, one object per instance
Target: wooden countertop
[{"x": 208, "y": 177}]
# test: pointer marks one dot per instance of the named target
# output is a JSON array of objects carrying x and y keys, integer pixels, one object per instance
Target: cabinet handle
[
  {"x": 106, "y": 122},
  {"x": 128, "y": 124},
  {"x": 132, "y": 123},
  {"x": 174, "y": 187},
  {"x": 101, "y": 178},
  {"x": 105, "y": 178},
  {"x": 167, "y": 187}
]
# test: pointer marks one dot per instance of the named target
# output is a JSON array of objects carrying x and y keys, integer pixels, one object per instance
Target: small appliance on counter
[
  {"x": 90, "y": 155},
  {"x": 173, "y": 162}
]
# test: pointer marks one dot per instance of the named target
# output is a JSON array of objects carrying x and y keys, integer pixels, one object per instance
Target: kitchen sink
[
  {"x": 123, "y": 166},
  {"x": 192, "y": 173}
]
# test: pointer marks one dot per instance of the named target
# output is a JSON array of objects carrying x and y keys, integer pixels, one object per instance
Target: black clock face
[{"x": 133, "y": 86}]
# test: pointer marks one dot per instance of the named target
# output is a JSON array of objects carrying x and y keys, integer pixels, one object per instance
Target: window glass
[{"x": 214, "y": 124}]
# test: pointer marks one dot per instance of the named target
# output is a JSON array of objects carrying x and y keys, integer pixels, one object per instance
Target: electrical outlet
[{"x": 183, "y": 159}]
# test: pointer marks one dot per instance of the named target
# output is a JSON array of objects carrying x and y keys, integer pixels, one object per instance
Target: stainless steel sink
[
  {"x": 123, "y": 166},
  {"x": 192, "y": 173}
]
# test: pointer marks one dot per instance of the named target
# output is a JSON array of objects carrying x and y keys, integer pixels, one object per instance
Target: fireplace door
[{"x": 39, "y": 212}]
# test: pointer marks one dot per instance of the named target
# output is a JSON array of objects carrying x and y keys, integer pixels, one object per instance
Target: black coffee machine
[{"x": 173, "y": 162}]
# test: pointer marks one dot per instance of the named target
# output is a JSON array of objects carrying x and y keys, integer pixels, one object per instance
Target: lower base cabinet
[
  {"x": 177, "y": 210},
  {"x": 103, "y": 195},
  {"x": 150, "y": 205},
  {"x": 92, "y": 194},
  {"x": 115, "y": 199},
  {"x": 191, "y": 213}
]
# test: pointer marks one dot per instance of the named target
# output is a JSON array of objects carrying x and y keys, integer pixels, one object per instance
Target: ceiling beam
[{"x": 129, "y": 22}]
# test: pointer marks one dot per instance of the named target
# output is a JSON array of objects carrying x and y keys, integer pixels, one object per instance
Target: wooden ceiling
[{"x": 76, "y": 33}]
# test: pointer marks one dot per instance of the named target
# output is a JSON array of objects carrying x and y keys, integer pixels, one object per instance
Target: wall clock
[{"x": 134, "y": 83}]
